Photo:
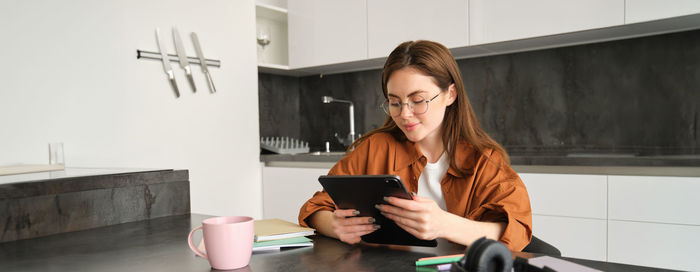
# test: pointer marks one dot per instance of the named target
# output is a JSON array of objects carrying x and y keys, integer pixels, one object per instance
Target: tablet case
[{"x": 362, "y": 192}]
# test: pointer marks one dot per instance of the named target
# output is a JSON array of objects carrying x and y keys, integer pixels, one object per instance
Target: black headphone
[{"x": 486, "y": 255}]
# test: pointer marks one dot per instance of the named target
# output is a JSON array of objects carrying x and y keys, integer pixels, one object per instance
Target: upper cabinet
[
  {"x": 333, "y": 36},
  {"x": 503, "y": 20},
  {"x": 392, "y": 22},
  {"x": 271, "y": 35},
  {"x": 648, "y": 10},
  {"x": 323, "y": 32}
]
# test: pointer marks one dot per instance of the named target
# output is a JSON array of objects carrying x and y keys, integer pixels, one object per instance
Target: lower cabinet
[
  {"x": 570, "y": 212},
  {"x": 669, "y": 246},
  {"x": 641, "y": 220},
  {"x": 285, "y": 189},
  {"x": 582, "y": 238},
  {"x": 654, "y": 221}
]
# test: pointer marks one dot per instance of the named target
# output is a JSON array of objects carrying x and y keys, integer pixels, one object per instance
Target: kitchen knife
[
  {"x": 184, "y": 62},
  {"x": 203, "y": 62},
  {"x": 166, "y": 62}
]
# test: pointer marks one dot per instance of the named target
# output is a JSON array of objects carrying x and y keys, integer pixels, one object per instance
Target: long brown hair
[{"x": 460, "y": 123}]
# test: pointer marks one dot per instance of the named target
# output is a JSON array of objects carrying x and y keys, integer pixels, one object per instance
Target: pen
[{"x": 439, "y": 259}]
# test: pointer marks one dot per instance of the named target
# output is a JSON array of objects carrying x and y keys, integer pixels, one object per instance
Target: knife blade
[
  {"x": 202, "y": 61},
  {"x": 166, "y": 62},
  {"x": 184, "y": 62}
]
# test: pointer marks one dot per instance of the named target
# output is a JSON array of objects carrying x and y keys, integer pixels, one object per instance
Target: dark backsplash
[{"x": 635, "y": 96}]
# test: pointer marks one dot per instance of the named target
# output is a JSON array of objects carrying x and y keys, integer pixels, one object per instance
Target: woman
[{"x": 431, "y": 139}]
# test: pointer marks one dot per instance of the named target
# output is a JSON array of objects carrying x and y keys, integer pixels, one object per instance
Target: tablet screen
[{"x": 362, "y": 192}]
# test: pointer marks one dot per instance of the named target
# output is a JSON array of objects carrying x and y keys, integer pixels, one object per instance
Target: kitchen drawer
[
  {"x": 654, "y": 199},
  {"x": 574, "y": 237},
  {"x": 652, "y": 244},
  {"x": 567, "y": 195}
]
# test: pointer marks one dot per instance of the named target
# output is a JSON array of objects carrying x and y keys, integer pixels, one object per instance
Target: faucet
[{"x": 351, "y": 136}]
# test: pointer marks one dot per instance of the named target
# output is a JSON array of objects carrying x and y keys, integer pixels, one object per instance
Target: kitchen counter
[
  {"x": 592, "y": 164},
  {"x": 161, "y": 245},
  {"x": 45, "y": 203}
]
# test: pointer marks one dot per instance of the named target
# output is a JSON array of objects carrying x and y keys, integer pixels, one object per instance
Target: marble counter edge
[{"x": 90, "y": 182}]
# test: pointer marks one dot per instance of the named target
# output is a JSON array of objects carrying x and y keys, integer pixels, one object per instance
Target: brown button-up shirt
[{"x": 490, "y": 191}]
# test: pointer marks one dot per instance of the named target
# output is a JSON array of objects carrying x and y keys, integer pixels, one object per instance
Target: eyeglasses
[{"x": 416, "y": 104}]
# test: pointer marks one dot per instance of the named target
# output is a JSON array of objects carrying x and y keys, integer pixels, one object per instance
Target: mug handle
[{"x": 193, "y": 247}]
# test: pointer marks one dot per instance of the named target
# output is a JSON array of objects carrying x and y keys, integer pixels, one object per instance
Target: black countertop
[
  {"x": 160, "y": 245},
  {"x": 573, "y": 159}
]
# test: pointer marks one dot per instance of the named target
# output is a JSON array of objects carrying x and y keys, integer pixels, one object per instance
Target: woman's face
[{"x": 409, "y": 85}]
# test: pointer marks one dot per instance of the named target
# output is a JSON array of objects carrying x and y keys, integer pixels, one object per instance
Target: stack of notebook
[{"x": 273, "y": 234}]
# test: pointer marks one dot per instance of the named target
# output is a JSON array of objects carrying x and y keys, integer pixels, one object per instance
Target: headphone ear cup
[
  {"x": 473, "y": 252},
  {"x": 488, "y": 255}
]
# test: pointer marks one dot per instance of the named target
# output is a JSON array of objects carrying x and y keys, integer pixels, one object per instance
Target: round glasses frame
[{"x": 410, "y": 104}]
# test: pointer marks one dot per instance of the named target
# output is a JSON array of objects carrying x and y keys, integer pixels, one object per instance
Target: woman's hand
[
  {"x": 421, "y": 216},
  {"x": 349, "y": 228}
]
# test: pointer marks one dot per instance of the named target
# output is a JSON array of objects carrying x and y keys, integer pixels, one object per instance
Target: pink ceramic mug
[{"x": 228, "y": 241}]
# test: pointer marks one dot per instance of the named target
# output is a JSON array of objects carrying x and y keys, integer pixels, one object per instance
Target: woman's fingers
[
  {"x": 410, "y": 230},
  {"x": 403, "y": 220},
  {"x": 346, "y": 213},
  {"x": 354, "y": 234},
  {"x": 398, "y": 212},
  {"x": 349, "y": 227},
  {"x": 406, "y": 204}
]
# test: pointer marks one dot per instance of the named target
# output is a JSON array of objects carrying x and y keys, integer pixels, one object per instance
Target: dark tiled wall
[
  {"x": 631, "y": 96},
  {"x": 279, "y": 106}
]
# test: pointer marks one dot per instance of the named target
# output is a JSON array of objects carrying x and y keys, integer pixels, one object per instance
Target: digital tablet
[{"x": 361, "y": 193}]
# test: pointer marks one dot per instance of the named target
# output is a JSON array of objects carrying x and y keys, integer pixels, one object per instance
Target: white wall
[{"x": 69, "y": 74}]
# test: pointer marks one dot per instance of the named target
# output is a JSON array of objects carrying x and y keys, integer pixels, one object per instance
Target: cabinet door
[
  {"x": 581, "y": 196},
  {"x": 326, "y": 32},
  {"x": 285, "y": 189},
  {"x": 502, "y": 20},
  {"x": 657, "y": 245},
  {"x": 655, "y": 199},
  {"x": 392, "y": 22},
  {"x": 575, "y": 237},
  {"x": 648, "y": 10}
]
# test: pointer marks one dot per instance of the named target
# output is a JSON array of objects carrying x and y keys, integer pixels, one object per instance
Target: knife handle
[{"x": 210, "y": 82}]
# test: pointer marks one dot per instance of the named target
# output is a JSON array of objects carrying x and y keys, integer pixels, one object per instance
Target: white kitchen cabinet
[
  {"x": 582, "y": 196},
  {"x": 323, "y": 32},
  {"x": 671, "y": 200},
  {"x": 574, "y": 237},
  {"x": 651, "y": 244},
  {"x": 570, "y": 212},
  {"x": 654, "y": 221},
  {"x": 648, "y": 10},
  {"x": 502, "y": 20},
  {"x": 392, "y": 22},
  {"x": 285, "y": 189},
  {"x": 271, "y": 23}
]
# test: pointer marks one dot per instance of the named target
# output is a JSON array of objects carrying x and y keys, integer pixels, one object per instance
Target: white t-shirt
[{"x": 429, "y": 181}]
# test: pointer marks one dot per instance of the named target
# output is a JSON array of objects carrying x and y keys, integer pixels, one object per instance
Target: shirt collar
[{"x": 407, "y": 153}]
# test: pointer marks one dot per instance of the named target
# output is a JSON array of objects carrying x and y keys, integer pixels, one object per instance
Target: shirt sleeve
[{"x": 502, "y": 197}]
